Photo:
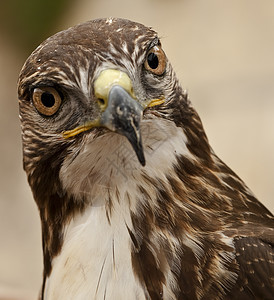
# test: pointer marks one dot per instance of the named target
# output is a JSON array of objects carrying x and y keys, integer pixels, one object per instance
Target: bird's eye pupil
[
  {"x": 47, "y": 99},
  {"x": 152, "y": 60}
]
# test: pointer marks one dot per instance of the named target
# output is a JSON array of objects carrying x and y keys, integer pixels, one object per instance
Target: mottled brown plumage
[{"x": 183, "y": 226}]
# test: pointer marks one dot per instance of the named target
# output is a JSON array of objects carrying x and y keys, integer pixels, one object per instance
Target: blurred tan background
[{"x": 223, "y": 53}]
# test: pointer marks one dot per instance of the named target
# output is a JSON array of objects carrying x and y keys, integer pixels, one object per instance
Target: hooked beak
[
  {"x": 121, "y": 112},
  {"x": 123, "y": 115}
]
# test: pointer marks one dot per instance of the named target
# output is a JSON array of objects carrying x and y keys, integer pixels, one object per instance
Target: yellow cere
[
  {"x": 110, "y": 77},
  {"x": 107, "y": 79}
]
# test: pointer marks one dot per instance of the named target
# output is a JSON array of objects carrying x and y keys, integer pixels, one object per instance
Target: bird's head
[{"x": 104, "y": 78}]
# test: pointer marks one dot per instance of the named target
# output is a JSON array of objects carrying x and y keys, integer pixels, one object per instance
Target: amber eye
[
  {"x": 46, "y": 100},
  {"x": 156, "y": 61}
]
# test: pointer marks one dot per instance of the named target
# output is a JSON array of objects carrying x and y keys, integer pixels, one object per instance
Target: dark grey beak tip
[{"x": 141, "y": 158}]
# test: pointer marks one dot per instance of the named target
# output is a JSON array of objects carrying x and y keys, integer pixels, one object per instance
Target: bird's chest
[{"x": 95, "y": 261}]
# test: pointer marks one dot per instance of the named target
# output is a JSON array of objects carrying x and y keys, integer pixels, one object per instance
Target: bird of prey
[{"x": 134, "y": 203}]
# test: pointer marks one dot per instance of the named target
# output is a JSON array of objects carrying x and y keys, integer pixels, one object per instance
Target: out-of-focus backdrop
[{"x": 223, "y": 53}]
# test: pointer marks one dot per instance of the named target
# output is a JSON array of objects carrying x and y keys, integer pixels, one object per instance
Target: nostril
[{"x": 101, "y": 101}]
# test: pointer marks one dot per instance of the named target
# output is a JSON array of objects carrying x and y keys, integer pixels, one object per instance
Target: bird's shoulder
[{"x": 254, "y": 254}]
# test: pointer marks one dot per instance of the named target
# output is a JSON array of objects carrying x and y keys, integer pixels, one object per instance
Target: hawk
[{"x": 134, "y": 203}]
